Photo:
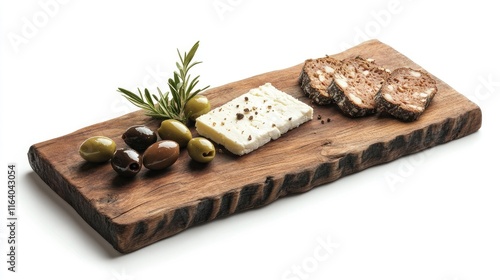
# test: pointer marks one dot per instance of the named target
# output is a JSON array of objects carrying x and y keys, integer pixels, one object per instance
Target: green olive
[
  {"x": 176, "y": 131},
  {"x": 97, "y": 149},
  {"x": 201, "y": 149},
  {"x": 197, "y": 106}
]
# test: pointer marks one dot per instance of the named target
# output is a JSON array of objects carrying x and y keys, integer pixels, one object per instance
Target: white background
[{"x": 61, "y": 63}]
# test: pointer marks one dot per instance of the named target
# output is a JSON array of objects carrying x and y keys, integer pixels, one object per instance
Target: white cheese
[{"x": 253, "y": 119}]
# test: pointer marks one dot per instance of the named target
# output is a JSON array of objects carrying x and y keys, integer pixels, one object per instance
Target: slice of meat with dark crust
[
  {"x": 406, "y": 94},
  {"x": 355, "y": 84},
  {"x": 316, "y": 76}
]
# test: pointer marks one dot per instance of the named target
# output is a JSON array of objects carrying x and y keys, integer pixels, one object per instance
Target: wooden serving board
[{"x": 131, "y": 214}]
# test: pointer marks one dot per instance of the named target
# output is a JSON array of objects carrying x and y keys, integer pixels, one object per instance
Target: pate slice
[{"x": 253, "y": 119}]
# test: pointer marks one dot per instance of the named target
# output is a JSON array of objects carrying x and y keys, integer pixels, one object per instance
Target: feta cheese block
[{"x": 253, "y": 119}]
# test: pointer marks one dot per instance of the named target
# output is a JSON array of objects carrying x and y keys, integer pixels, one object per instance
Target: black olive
[
  {"x": 139, "y": 137},
  {"x": 126, "y": 162}
]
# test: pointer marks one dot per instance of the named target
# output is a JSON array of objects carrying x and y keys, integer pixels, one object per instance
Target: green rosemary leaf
[
  {"x": 149, "y": 100},
  {"x": 193, "y": 64},
  {"x": 134, "y": 99},
  {"x": 140, "y": 93},
  {"x": 191, "y": 53},
  {"x": 129, "y": 95},
  {"x": 192, "y": 84},
  {"x": 162, "y": 103},
  {"x": 179, "y": 66},
  {"x": 155, "y": 115}
]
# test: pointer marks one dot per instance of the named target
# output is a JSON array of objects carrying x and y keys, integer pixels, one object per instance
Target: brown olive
[
  {"x": 126, "y": 162},
  {"x": 97, "y": 149},
  {"x": 176, "y": 131},
  {"x": 161, "y": 155},
  {"x": 139, "y": 137}
]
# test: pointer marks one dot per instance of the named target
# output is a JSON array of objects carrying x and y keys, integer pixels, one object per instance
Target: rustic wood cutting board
[{"x": 131, "y": 214}]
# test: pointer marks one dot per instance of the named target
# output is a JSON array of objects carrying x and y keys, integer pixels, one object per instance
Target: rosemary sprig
[{"x": 170, "y": 105}]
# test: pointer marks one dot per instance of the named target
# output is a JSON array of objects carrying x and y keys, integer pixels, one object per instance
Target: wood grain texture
[{"x": 131, "y": 214}]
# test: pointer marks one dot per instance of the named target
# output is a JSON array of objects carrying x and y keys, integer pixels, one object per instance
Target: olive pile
[{"x": 144, "y": 149}]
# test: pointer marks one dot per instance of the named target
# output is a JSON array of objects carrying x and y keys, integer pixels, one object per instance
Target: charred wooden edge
[
  {"x": 256, "y": 195},
  {"x": 67, "y": 192},
  {"x": 131, "y": 237},
  {"x": 126, "y": 238}
]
